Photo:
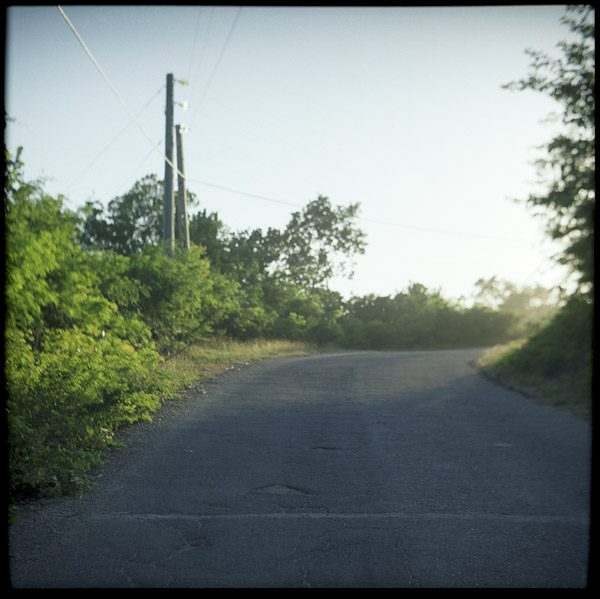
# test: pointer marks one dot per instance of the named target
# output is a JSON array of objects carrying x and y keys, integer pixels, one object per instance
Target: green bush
[
  {"x": 420, "y": 319},
  {"x": 563, "y": 348},
  {"x": 88, "y": 325},
  {"x": 66, "y": 400},
  {"x": 76, "y": 367}
]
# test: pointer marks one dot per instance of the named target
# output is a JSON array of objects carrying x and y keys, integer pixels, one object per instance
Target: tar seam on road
[{"x": 527, "y": 518}]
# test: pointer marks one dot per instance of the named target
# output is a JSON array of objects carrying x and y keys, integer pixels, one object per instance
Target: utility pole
[
  {"x": 182, "y": 216},
  {"x": 168, "y": 205}
]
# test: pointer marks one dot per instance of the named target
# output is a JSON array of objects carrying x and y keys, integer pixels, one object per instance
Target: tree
[
  {"x": 133, "y": 221},
  {"x": 249, "y": 254},
  {"x": 507, "y": 297},
  {"x": 208, "y": 231},
  {"x": 570, "y": 165},
  {"x": 531, "y": 306},
  {"x": 75, "y": 367},
  {"x": 314, "y": 246},
  {"x": 316, "y": 242}
]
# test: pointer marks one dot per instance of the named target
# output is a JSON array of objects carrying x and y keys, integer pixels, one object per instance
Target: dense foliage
[
  {"x": 420, "y": 319},
  {"x": 569, "y": 167},
  {"x": 76, "y": 367},
  {"x": 558, "y": 359},
  {"x": 562, "y": 351},
  {"x": 94, "y": 305}
]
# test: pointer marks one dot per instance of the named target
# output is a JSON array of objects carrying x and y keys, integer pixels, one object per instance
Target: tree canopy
[
  {"x": 94, "y": 305},
  {"x": 569, "y": 167},
  {"x": 318, "y": 242}
]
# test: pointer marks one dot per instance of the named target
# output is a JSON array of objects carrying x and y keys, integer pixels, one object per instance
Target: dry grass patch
[{"x": 204, "y": 360}]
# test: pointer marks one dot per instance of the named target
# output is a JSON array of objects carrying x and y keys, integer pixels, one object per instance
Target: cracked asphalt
[{"x": 341, "y": 469}]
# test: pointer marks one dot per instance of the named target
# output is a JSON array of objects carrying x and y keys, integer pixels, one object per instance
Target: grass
[
  {"x": 553, "y": 366},
  {"x": 492, "y": 356},
  {"x": 195, "y": 364},
  {"x": 562, "y": 391},
  {"x": 205, "y": 360}
]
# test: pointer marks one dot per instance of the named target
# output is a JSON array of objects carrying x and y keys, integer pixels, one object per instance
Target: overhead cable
[
  {"x": 113, "y": 89},
  {"x": 361, "y": 218},
  {"x": 243, "y": 193},
  {"x": 194, "y": 43},
  {"x": 439, "y": 231},
  {"x": 137, "y": 168},
  {"x": 230, "y": 190},
  {"x": 207, "y": 86},
  {"x": 114, "y": 139}
]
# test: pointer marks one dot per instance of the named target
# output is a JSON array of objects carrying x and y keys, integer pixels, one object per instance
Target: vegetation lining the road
[
  {"x": 553, "y": 366},
  {"x": 99, "y": 336},
  {"x": 201, "y": 361},
  {"x": 102, "y": 325},
  {"x": 557, "y": 360}
]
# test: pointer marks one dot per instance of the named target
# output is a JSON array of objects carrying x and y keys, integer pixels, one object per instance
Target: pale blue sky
[{"x": 400, "y": 109}]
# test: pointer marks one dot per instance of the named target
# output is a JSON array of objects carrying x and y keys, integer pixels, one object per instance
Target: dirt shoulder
[{"x": 555, "y": 393}]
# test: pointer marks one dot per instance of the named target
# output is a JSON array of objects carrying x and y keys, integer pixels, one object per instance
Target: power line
[
  {"x": 216, "y": 66},
  {"x": 228, "y": 189},
  {"x": 206, "y": 35},
  {"x": 102, "y": 152},
  {"x": 114, "y": 90},
  {"x": 439, "y": 231},
  {"x": 137, "y": 168},
  {"x": 244, "y": 193},
  {"x": 245, "y": 133},
  {"x": 361, "y": 218},
  {"x": 194, "y": 43}
]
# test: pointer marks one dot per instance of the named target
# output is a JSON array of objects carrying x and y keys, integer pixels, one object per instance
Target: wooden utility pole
[
  {"x": 182, "y": 216},
  {"x": 169, "y": 205}
]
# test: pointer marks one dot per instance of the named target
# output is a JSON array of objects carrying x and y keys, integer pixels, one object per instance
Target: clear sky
[{"x": 401, "y": 109}]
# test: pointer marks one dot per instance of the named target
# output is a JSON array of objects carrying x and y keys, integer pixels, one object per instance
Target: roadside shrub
[
  {"x": 75, "y": 367},
  {"x": 562, "y": 348},
  {"x": 91, "y": 316},
  {"x": 66, "y": 401}
]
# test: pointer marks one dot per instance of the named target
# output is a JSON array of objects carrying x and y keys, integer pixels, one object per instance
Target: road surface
[{"x": 341, "y": 469}]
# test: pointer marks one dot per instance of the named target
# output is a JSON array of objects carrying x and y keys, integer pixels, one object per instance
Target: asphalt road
[{"x": 343, "y": 469}]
